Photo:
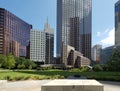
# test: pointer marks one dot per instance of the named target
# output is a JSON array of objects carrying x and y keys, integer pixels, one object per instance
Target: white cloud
[
  {"x": 98, "y": 34},
  {"x": 107, "y": 30},
  {"x": 110, "y": 38}
]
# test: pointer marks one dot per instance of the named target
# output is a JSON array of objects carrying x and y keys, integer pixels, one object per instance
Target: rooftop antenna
[{"x": 47, "y": 22}]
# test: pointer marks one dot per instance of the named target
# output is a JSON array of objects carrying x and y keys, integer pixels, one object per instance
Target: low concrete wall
[
  {"x": 72, "y": 85},
  {"x": 3, "y": 84}
]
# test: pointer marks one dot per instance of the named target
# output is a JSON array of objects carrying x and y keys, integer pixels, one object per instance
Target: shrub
[
  {"x": 26, "y": 77},
  {"x": 75, "y": 70},
  {"x": 19, "y": 78},
  {"x": 34, "y": 77},
  {"x": 0, "y": 65},
  {"x": 30, "y": 67},
  {"x": 58, "y": 77},
  {"x": 46, "y": 68},
  {"x": 7, "y": 77},
  {"x": 21, "y": 66},
  {"x": 98, "y": 67},
  {"x": 82, "y": 69}
]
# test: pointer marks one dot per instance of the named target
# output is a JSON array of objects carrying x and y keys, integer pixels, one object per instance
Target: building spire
[
  {"x": 47, "y": 22},
  {"x": 47, "y": 19},
  {"x": 47, "y": 27}
]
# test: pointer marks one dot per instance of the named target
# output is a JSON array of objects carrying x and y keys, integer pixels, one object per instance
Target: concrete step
[{"x": 73, "y": 85}]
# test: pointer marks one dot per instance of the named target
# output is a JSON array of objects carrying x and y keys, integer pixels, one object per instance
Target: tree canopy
[
  {"x": 114, "y": 62},
  {"x": 10, "y": 61}
]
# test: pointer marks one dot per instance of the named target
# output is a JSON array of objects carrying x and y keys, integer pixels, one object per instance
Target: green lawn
[{"x": 56, "y": 74}]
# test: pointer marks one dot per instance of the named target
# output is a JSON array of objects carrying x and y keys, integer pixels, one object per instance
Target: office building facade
[
  {"x": 14, "y": 34},
  {"x": 73, "y": 58},
  {"x": 74, "y": 25},
  {"x": 49, "y": 37},
  {"x": 117, "y": 23},
  {"x": 37, "y": 46}
]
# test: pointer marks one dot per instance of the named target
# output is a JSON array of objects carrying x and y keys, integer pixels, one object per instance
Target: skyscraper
[
  {"x": 96, "y": 53},
  {"x": 37, "y": 46},
  {"x": 117, "y": 23},
  {"x": 14, "y": 34},
  {"x": 49, "y": 33},
  {"x": 74, "y": 25}
]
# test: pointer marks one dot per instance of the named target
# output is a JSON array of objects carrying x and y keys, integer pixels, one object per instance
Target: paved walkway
[
  {"x": 36, "y": 85},
  {"x": 111, "y": 86},
  {"x": 25, "y": 85}
]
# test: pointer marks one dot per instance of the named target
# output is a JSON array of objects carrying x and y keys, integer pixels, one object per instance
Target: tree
[
  {"x": 20, "y": 61},
  {"x": 30, "y": 67},
  {"x": 115, "y": 55},
  {"x": 114, "y": 62},
  {"x": 10, "y": 61},
  {"x": 21, "y": 66},
  {"x": 98, "y": 67},
  {"x": 3, "y": 60},
  {"x": 30, "y": 64},
  {"x": 26, "y": 62}
]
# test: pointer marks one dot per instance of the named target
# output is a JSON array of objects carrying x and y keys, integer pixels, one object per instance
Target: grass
[{"x": 56, "y": 74}]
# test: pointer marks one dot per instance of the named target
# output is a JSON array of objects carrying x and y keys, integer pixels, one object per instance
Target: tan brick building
[{"x": 71, "y": 57}]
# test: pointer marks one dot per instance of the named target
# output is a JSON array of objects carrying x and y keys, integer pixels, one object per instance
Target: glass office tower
[
  {"x": 74, "y": 25},
  {"x": 14, "y": 34},
  {"x": 49, "y": 37},
  {"x": 117, "y": 23}
]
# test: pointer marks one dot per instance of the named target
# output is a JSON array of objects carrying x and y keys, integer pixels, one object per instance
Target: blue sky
[
  {"x": 35, "y": 12},
  {"x": 103, "y": 22}
]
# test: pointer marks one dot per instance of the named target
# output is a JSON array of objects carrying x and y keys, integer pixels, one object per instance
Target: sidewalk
[
  {"x": 111, "y": 86},
  {"x": 31, "y": 85}
]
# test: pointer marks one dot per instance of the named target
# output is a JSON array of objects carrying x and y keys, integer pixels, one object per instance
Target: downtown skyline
[{"x": 32, "y": 12}]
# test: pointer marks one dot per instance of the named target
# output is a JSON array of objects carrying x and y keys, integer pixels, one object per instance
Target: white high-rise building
[
  {"x": 96, "y": 53},
  {"x": 37, "y": 46},
  {"x": 42, "y": 45}
]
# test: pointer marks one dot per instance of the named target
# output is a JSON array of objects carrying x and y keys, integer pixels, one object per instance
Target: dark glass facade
[
  {"x": 49, "y": 40},
  {"x": 14, "y": 34},
  {"x": 74, "y": 25},
  {"x": 49, "y": 48},
  {"x": 117, "y": 23}
]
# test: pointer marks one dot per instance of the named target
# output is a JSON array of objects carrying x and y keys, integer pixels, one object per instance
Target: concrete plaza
[{"x": 35, "y": 85}]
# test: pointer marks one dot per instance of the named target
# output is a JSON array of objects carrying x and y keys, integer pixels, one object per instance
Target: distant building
[
  {"x": 49, "y": 33},
  {"x": 14, "y": 34},
  {"x": 73, "y": 58},
  {"x": 117, "y": 23},
  {"x": 37, "y": 46},
  {"x": 96, "y": 53},
  {"x": 42, "y": 45},
  {"x": 107, "y": 52},
  {"x": 74, "y": 25}
]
